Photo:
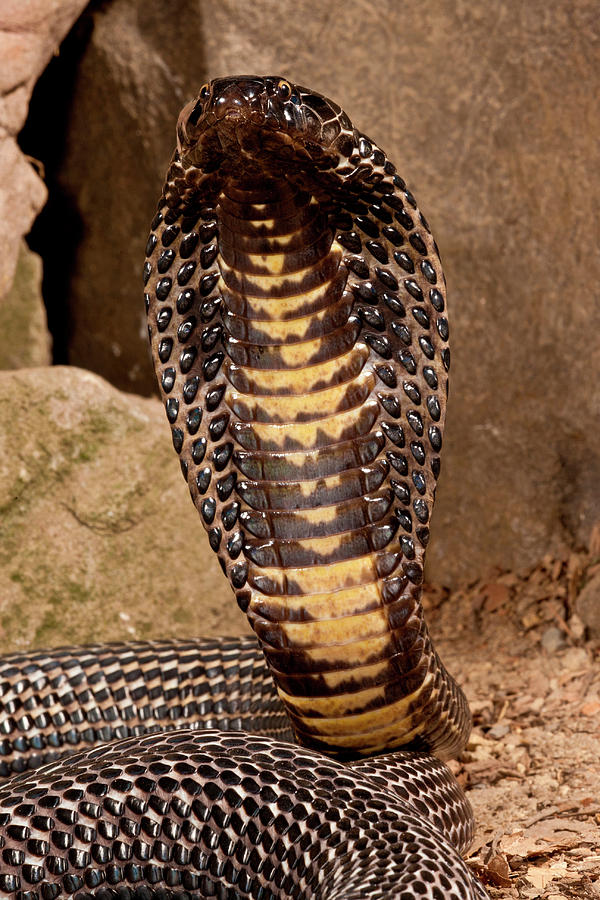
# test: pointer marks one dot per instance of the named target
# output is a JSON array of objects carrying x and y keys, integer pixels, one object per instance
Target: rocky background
[{"x": 490, "y": 112}]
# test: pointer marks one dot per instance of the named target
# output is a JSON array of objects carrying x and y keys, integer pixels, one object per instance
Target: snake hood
[
  {"x": 268, "y": 119},
  {"x": 297, "y": 319}
]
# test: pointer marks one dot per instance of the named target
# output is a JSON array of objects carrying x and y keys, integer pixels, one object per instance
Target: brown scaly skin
[{"x": 297, "y": 318}]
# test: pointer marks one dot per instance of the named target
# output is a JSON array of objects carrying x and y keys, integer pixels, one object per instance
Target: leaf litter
[{"x": 530, "y": 668}]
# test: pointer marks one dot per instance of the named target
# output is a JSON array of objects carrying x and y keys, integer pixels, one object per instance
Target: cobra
[{"x": 296, "y": 313}]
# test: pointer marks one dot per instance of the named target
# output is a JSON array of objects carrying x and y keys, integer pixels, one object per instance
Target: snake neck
[{"x": 338, "y": 619}]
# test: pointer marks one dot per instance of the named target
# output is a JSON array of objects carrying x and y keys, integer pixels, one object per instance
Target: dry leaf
[
  {"x": 547, "y": 836},
  {"x": 497, "y": 872},
  {"x": 540, "y": 876},
  {"x": 496, "y": 596}
]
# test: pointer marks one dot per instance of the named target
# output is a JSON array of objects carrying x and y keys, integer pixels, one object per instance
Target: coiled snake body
[{"x": 297, "y": 319}]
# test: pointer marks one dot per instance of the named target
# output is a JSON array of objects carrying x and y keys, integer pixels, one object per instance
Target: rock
[
  {"x": 25, "y": 338},
  {"x": 21, "y": 198},
  {"x": 498, "y": 731},
  {"x": 29, "y": 34},
  {"x": 139, "y": 67},
  {"x": 587, "y": 605},
  {"x": 99, "y": 539},
  {"x": 484, "y": 110},
  {"x": 553, "y": 639}
]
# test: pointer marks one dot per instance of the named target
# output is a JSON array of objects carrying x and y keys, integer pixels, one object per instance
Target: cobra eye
[
  {"x": 284, "y": 89},
  {"x": 205, "y": 90},
  {"x": 195, "y": 114}
]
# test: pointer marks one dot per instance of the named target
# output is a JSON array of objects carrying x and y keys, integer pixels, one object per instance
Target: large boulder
[
  {"x": 98, "y": 537},
  {"x": 487, "y": 114}
]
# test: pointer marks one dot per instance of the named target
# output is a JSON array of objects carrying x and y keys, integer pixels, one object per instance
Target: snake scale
[{"x": 296, "y": 313}]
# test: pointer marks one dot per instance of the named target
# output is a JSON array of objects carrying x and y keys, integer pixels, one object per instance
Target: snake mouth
[{"x": 261, "y": 144}]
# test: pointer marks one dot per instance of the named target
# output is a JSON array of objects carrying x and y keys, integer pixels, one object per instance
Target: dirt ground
[{"x": 532, "y": 766}]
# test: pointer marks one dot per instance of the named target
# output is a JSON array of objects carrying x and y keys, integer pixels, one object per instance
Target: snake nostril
[{"x": 228, "y": 102}]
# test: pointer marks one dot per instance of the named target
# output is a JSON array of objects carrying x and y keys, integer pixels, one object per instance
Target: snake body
[{"x": 296, "y": 313}]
